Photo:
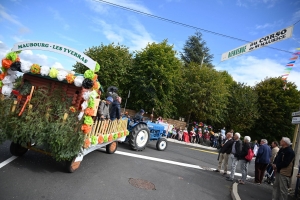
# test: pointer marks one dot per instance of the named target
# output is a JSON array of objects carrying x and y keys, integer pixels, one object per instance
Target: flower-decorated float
[{"x": 53, "y": 110}]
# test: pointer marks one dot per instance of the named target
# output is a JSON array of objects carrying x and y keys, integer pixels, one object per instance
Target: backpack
[{"x": 250, "y": 155}]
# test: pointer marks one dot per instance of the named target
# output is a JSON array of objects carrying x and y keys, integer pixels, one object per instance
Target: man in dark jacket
[
  {"x": 235, "y": 153},
  {"x": 262, "y": 160},
  {"x": 225, "y": 152},
  {"x": 283, "y": 165}
]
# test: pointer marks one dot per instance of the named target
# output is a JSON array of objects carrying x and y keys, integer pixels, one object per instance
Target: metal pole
[
  {"x": 297, "y": 158},
  {"x": 126, "y": 101}
]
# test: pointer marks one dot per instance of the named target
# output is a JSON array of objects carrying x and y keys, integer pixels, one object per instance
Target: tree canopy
[
  {"x": 243, "y": 108},
  {"x": 115, "y": 62},
  {"x": 153, "y": 79},
  {"x": 275, "y": 109},
  {"x": 195, "y": 49},
  {"x": 204, "y": 93}
]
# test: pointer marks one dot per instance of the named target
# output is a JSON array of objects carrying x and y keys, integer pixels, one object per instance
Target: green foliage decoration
[{"x": 44, "y": 124}]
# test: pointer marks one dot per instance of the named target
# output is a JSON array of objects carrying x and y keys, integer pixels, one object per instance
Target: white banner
[
  {"x": 264, "y": 41},
  {"x": 58, "y": 48}
]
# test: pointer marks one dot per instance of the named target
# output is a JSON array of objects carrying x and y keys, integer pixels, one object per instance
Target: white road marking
[
  {"x": 169, "y": 161},
  {"x": 5, "y": 162},
  {"x": 158, "y": 160}
]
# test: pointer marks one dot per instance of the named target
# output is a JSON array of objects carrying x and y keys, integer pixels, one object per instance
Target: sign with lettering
[
  {"x": 296, "y": 113},
  {"x": 264, "y": 41},
  {"x": 57, "y": 48},
  {"x": 296, "y": 120}
]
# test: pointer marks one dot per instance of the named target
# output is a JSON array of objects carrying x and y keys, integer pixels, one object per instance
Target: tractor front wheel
[
  {"x": 139, "y": 137},
  {"x": 161, "y": 144},
  {"x": 112, "y": 147},
  {"x": 17, "y": 149}
]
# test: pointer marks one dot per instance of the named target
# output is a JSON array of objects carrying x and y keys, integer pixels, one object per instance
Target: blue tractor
[{"x": 143, "y": 132}]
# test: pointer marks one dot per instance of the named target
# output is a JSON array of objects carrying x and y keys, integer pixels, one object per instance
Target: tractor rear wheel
[
  {"x": 111, "y": 148},
  {"x": 139, "y": 137},
  {"x": 161, "y": 144},
  {"x": 17, "y": 149}
]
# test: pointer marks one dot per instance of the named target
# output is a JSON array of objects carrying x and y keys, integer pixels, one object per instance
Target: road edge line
[
  {"x": 234, "y": 192},
  {"x": 7, "y": 161}
]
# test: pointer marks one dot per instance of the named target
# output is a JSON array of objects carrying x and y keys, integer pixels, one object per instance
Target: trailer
[{"x": 53, "y": 111}]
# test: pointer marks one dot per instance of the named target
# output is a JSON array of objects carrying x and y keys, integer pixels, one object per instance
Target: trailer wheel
[
  {"x": 161, "y": 144},
  {"x": 139, "y": 137},
  {"x": 17, "y": 149},
  {"x": 112, "y": 147},
  {"x": 72, "y": 166}
]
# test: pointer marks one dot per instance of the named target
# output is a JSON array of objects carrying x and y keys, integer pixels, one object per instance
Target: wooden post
[
  {"x": 14, "y": 106},
  {"x": 65, "y": 117}
]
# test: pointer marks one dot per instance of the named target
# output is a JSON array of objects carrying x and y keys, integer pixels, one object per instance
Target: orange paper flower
[
  {"x": 86, "y": 128},
  {"x": 87, "y": 143},
  {"x": 95, "y": 77},
  {"x": 6, "y": 63},
  {"x": 19, "y": 97},
  {"x": 2, "y": 76},
  {"x": 100, "y": 139},
  {"x": 70, "y": 78},
  {"x": 89, "y": 111},
  {"x": 72, "y": 109},
  {"x": 110, "y": 138},
  {"x": 96, "y": 85},
  {"x": 119, "y": 135}
]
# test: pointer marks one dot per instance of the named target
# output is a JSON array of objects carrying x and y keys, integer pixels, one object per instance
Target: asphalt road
[{"x": 103, "y": 176}]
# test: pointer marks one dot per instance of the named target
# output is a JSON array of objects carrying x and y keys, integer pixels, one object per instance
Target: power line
[
  {"x": 183, "y": 24},
  {"x": 296, "y": 22}
]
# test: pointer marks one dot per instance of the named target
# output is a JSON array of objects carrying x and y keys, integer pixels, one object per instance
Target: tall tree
[
  {"x": 204, "y": 94},
  {"x": 153, "y": 79},
  {"x": 275, "y": 106},
  {"x": 195, "y": 49},
  {"x": 115, "y": 62},
  {"x": 243, "y": 107}
]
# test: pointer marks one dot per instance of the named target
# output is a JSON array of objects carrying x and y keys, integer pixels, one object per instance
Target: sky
[{"x": 81, "y": 24}]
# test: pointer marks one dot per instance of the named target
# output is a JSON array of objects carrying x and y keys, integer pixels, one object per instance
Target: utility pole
[{"x": 296, "y": 148}]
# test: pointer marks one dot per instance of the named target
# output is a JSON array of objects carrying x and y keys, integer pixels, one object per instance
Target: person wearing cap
[
  {"x": 283, "y": 165},
  {"x": 103, "y": 110},
  {"x": 139, "y": 116}
]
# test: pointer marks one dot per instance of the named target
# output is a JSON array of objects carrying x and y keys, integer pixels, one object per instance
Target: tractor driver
[{"x": 139, "y": 116}]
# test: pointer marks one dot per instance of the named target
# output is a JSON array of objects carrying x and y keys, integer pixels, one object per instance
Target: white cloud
[
  {"x": 58, "y": 17},
  {"x": 102, "y": 8},
  {"x": 246, "y": 3},
  {"x": 270, "y": 25},
  {"x": 12, "y": 19},
  {"x": 296, "y": 16},
  {"x": 135, "y": 36},
  {"x": 67, "y": 38},
  {"x": 251, "y": 70},
  {"x": 3, "y": 49}
]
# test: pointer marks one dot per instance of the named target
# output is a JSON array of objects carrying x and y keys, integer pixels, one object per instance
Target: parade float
[{"x": 53, "y": 110}]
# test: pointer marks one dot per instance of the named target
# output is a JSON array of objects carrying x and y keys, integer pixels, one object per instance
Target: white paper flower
[
  {"x": 80, "y": 115},
  {"x": 62, "y": 75},
  {"x": 25, "y": 68},
  {"x": 86, "y": 95},
  {"x": 11, "y": 72},
  {"x": 84, "y": 105},
  {"x": 7, "y": 89},
  {"x": 78, "y": 81},
  {"x": 45, "y": 70},
  {"x": 93, "y": 94},
  {"x": 7, "y": 80}
]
